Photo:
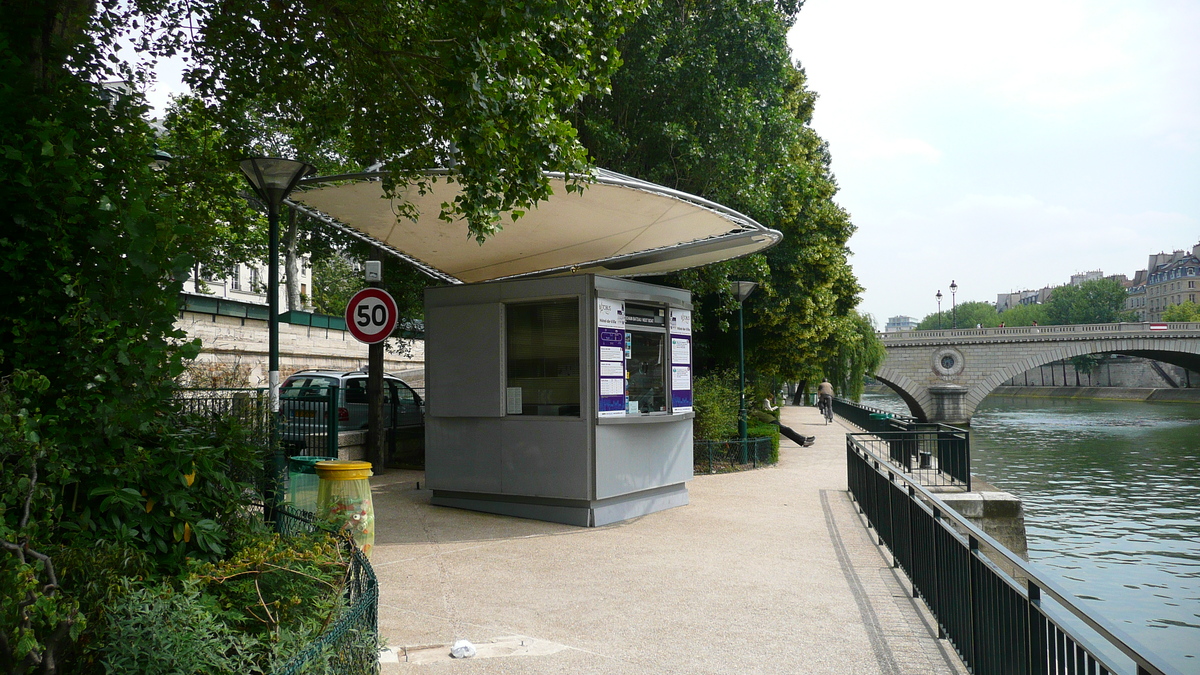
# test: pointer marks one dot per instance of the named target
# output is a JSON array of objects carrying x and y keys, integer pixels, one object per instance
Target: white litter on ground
[{"x": 462, "y": 649}]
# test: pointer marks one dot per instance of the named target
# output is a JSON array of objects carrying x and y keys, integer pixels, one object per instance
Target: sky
[{"x": 1005, "y": 146}]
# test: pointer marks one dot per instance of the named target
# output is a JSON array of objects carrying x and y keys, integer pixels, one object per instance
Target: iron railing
[
  {"x": 870, "y": 419},
  {"x": 309, "y": 411},
  {"x": 931, "y": 456},
  {"x": 999, "y": 623},
  {"x": 350, "y": 644},
  {"x": 211, "y": 409},
  {"x": 730, "y": 455},
  {"x": 933, "y": 453}
]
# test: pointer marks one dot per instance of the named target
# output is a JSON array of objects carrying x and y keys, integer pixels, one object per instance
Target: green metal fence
[
  {"x": 350, "y": 644},
  {"x": 732, "y": 455},
  {"x": 1023, "y": 623},
  {"x": 212, "y": 409}
]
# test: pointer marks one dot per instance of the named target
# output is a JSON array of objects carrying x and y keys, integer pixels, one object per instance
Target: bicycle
[{"x": 825, "y": 406}]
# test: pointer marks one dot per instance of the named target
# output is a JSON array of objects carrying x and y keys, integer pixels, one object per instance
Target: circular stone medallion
[{"x": 948, "y": 362}]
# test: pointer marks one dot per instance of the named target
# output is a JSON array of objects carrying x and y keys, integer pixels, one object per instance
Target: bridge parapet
[
  {"x": 943, "y": 375},
  {"x": 1040, "y": 333}
]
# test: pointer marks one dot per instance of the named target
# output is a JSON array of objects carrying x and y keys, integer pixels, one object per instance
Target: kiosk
[{"x": 567, "y": 399}]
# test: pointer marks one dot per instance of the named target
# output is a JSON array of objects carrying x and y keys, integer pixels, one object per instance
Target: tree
[
  {"x": 1096, "y": 301},
  {"x": 855, "y": 352},
  {"x": 1187, "y": 311},
  {"x": 485, "y": 83},
  {"x": 1024, "y": 315},
  {"x": 94, "y": 242},
  {"x": 709, "y": 102},
  {"x": 966, "y": 315}
]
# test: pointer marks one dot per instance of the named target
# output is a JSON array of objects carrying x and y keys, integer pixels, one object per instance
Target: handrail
[{"x": 1106, "y": 629}]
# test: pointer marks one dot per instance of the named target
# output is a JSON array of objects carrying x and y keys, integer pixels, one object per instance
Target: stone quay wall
[{"x": 234, "y": 351}]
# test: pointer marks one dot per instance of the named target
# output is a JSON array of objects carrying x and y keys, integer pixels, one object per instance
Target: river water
[{"x": 1112, "y": 504}]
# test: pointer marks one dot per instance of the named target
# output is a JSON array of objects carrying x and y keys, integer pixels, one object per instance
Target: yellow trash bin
[{"x": 344, "y": 499}]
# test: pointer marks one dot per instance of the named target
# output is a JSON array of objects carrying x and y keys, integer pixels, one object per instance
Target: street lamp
[
  {"x": 939, "y": 298},
  {"x": 273, "y": 179},
  {"x": 741, "y": 291},
  {"x": 953, "y": 305}
]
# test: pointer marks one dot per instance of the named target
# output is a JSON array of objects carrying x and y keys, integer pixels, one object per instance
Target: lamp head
[
  {"x": 953, "y": 286},
  {"x": 742, "y": 289},
  {"x": 939, "y": 295},
  {"x": 274, "y": 178}
]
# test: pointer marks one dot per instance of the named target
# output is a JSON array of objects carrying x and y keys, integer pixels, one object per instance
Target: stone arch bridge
[{"x": 943, "y": 375}]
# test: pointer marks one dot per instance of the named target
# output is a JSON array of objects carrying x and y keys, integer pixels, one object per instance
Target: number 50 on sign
[{"x": 371, "y": 315}]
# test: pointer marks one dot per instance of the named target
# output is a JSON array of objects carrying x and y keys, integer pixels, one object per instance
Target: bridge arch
[
  {"x": 916, "y": 365},
  {"x": 905, "y": 388}
]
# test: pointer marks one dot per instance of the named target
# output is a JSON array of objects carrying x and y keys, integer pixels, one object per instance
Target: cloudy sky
[{"x": 1005, "y": 146}]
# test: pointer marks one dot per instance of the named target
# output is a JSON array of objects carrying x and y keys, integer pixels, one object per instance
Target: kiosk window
[
  {"x": 647, "y": 376},
  {"x": 543, "y": 357}
]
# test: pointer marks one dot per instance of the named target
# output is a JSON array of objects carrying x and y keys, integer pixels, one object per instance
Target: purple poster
[
  {"x": 681, "y": 360},
  {"x": 610, "y": 326}
]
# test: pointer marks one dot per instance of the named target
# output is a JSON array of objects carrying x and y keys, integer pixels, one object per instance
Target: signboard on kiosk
[
  {"x": 681, "y": 360},
  {"x": 610, "y": 326}
]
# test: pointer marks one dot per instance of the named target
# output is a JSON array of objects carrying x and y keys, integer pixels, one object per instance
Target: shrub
[
  {"x": 155, "y": 629},
  {"x": 265, "y": 603},
  {"x": 715, "y": 400},
  {"x": 766, "y": 430}
]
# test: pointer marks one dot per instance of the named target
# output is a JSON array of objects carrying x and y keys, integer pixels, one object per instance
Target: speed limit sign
[{"x": 371, "y": 315}]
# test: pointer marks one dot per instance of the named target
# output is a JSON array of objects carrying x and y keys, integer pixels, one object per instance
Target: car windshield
[{"x": 307, "y": 386}]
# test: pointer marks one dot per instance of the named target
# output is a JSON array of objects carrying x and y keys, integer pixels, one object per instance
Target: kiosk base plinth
[{"x": 578, "y": 512}]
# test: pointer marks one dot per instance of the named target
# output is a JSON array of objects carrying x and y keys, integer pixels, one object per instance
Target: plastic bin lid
[
  {"x": 343, "y": 469},
  {"x": 306, "y": 464}
]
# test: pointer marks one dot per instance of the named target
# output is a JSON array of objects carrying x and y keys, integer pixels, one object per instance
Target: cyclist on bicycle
[{"x": 825, "y": 396}]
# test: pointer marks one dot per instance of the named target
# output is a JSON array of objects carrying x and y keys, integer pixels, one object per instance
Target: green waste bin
[{"x": 302, "y": 482}]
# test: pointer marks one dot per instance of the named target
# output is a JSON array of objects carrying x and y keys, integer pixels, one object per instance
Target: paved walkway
[{"x": 766, "y": 571}]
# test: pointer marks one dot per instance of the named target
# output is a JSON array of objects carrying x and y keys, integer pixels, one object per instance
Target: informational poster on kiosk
[
  {"x": 681, "y": 360},
  {"x": 610, "y": 326}
]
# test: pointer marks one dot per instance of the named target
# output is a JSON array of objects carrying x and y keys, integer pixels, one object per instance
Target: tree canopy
[
  {"x": 708, "y": 101},
  {"x": 95, "y": 242},
  {"x": 965, "y": 315},
  {"x": 1185, "y": 311},
  {"x": 1096, "y": 301}
]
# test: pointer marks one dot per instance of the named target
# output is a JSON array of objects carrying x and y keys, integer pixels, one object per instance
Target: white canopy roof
[{"x": 618, "y": 226}]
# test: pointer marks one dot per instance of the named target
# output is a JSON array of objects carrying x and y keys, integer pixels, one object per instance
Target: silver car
[{"x": 305, "y": 396}]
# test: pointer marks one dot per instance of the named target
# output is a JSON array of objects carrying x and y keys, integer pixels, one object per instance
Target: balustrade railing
[
  {"x": 999, "y": 623},
  {"x": 1080, "y": 330},
  {"x": 932, "y": 453}
]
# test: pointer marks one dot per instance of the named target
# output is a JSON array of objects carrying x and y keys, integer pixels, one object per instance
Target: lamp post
[
  {"x": 741, "y": 291},
  {"x": 939, "y": 299},
  {"x": 953, "y": 305},
  {"x": 273, "y": 179}
]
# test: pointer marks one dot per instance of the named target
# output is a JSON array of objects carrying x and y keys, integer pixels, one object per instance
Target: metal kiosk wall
[{"x": 566, "y": 399}]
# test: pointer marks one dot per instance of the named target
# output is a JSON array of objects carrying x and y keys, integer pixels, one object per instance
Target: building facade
[
  {"x": 1171, "y": 280},
  {"x": 899, "y": 323},
  {"x": 248, "y": 283}
]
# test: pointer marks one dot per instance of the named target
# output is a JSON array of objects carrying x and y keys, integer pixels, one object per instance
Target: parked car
[{"x": 304, "y": 400}]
